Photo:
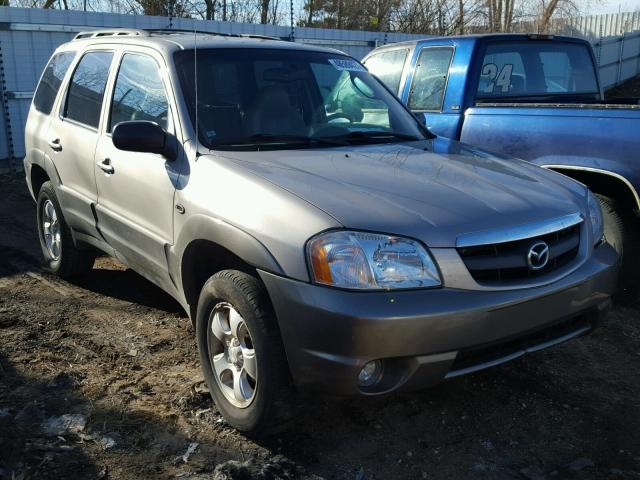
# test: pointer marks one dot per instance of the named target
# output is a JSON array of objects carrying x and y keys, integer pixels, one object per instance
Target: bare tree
[
  {"x": 210, "y": 12},
  {"x": 264, "y": 11}
]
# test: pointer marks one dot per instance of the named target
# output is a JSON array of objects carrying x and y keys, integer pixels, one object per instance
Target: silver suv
[{"x": 316, "y": 233}]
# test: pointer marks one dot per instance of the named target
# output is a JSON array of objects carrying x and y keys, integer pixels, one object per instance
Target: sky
[{"x": 612, "y": 6}]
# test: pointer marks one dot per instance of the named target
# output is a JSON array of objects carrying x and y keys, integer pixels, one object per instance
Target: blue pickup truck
[{"x": 534, "y": 97}]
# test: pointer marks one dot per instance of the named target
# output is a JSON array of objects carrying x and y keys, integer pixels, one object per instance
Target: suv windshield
[
  {"x": 280, "y": 98},
  {"x": 538, "y": 70}
]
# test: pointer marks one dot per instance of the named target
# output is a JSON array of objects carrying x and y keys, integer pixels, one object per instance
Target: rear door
[
  {"x": 136, "y": 190},
  {"x": 73, "y": 134},
  {"x": 428, "y": 87},
  {"x": 42, "y": 107}
]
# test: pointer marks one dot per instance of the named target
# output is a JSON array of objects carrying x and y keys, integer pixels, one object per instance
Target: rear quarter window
[
  {"x": 51, "y": 80},
  {"x": 430, "y": 78}
]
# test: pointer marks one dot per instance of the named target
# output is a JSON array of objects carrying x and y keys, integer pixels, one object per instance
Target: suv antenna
[{"x": 195, "y": 81}]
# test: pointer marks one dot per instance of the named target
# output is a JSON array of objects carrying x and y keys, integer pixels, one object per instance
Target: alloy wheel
[{"x": 232, "y": 355}]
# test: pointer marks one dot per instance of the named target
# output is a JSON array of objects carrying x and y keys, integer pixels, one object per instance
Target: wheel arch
[
  {"x": 604, "y": 182},
  {"x": 39, "y": 169},
  {"x": 209, "y": 245},
  {"x": 37, "y": 177}
]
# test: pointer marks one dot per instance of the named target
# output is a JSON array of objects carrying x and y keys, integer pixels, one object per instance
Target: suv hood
[{"x": 433, "y": 191}]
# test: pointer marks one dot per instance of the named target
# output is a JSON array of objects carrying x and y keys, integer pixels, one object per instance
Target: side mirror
[{"x": 144, "y": 136}]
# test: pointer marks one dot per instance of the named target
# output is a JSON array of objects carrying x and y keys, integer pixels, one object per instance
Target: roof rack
[
  {"x": 167, "y": 31},
  {"x": 206, "y": 32},
  {"x": 110, "y": 32},
  {"x": 130, "y": 32}
]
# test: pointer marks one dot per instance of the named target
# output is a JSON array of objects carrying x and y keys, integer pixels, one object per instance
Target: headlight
[
  {"x": 595, "y": 215},
  {"x": 370, "y": 261}
]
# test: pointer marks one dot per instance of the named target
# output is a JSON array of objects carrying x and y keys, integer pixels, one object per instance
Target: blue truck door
[{"x": 425, "y": 89}]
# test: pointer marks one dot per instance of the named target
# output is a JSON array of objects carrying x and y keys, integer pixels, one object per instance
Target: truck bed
[{"x": 586, "y": 137}]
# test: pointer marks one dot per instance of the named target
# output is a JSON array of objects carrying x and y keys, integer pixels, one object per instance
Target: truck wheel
[
  {"x": 60, "y": 254},
  {"x": 241, "y": 353},
  {"x": 621, "y": 233}
]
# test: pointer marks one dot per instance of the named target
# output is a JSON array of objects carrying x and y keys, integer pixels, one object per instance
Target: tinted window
[
  {"x": 387, "y": 66},
  {"x": 86, "y": 90},
  {"x": 51, "y": 79},
  {"x": 139, "y": 92},
  {"x": 262, "y": 98},
  {"x": 430, "y": 78},
  {"x": 536, "y": 68}
]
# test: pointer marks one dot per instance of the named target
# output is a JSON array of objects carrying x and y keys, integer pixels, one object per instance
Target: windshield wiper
[
  {"x": 264, "y": 138},
  {"x": 373, "y": 134}
]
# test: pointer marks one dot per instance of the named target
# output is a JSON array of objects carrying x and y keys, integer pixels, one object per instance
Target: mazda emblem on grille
[{"x": 538, "y": 256}]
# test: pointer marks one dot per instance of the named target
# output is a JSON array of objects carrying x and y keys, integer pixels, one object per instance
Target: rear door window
[
  {"x": 86, "y": 89},
  {"x": 139, "y": 92},
  {"x": 51, "y": 80},
  {"x": 388, "y": 66},
  {"x": 430, "y": 79}
]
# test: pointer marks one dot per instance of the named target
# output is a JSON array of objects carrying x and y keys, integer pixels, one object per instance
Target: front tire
[
  {"x": 61, "y": 256},
  {"x": 241, "y": 353}
]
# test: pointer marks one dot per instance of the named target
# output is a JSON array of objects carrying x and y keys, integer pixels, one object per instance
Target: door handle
[
  {"x": 105, "y": 166},
  {"x": 55, "y": 145}
]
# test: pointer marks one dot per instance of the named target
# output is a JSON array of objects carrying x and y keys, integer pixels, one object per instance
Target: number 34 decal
[{"x": 502, "y": 80}]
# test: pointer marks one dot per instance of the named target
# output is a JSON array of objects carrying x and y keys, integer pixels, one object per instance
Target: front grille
[
  {"x": 502, "y": 263},
  {"x": 480, "y": 357}
]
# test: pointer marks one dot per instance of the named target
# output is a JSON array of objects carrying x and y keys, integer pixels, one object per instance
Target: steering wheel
[{"x": 336, "y": 116}]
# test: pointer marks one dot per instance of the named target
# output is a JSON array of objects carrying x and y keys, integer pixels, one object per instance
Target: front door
[{"x": 136, "y": 190}]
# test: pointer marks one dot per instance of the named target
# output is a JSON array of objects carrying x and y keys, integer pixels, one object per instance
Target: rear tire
[
  {"x": 264, "y": 399},
  {"x": 621, "y": 232},
  {"x": 61, "y": 256}
]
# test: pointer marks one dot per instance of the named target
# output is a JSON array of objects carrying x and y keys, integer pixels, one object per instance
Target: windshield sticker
[
  {"x": 493, "y": 79},
  {"x": 211, "y": 134},
  {"x": 346, "y": 64}
]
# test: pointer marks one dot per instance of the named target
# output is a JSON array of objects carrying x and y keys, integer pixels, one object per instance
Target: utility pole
[{"x": 292, "y": 36}]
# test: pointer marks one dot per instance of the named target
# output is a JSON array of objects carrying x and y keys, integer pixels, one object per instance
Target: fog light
[{"x": 370, "y": 373}]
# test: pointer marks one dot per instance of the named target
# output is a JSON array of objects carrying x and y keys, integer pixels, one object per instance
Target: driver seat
[{"x": 272, "y": 113}]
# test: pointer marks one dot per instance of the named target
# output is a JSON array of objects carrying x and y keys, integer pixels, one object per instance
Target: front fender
[{"x": 230, "y": 237}]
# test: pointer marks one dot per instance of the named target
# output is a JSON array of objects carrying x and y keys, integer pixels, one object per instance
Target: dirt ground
[{"x": 99, "y": 379}]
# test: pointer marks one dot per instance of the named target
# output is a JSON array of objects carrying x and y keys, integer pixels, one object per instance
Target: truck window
[
  {"x": 388, "y": 66},
  {"x": 51, "y": 80},
  {"x": 430, "y": 79},
  {"x": 534, "y": 68},
  {"x": 86, "y": 89},
  {"x": 139, "y": 92}
]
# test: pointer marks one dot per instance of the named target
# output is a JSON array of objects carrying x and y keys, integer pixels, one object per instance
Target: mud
[{"x": 99, "y": 379}]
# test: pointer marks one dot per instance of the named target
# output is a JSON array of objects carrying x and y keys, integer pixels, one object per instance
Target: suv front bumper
[{"x": 425, "y": 336}]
